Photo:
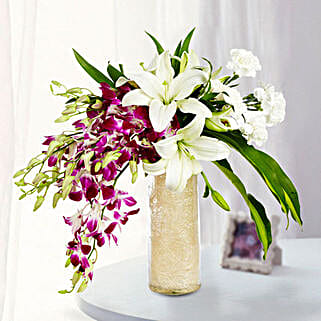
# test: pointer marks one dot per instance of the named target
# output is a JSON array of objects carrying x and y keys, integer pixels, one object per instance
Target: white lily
[
  {"x": 164, "y": 93},
  {"x": 181, "y": 154},
  {"x": 231, "y": 95},
  {"x": 224, "y": 120}
]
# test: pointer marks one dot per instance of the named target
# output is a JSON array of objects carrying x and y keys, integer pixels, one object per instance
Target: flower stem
[{"x": 120, "y": 173}]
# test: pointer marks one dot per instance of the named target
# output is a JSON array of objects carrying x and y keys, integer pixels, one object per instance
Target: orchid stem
[{"x": 120, "y": 173}]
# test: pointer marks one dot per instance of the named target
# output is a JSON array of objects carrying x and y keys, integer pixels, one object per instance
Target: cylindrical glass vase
[{"x": 174, "y": 241}]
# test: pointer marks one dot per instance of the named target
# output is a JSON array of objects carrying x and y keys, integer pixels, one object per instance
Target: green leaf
[
  {"x": 38, "y": 203},
  {"x": 270, "y": 171},
  {"x": 114, "y": 73},
  {"x": 175, "y": 63},
  {"x": 219, "y": 200},
  {"x": 263, "y": 225},
  {"x": 157, "y": 44},
  {"x": 91, "y": 70},
  {"x": 186, "y": 42}
]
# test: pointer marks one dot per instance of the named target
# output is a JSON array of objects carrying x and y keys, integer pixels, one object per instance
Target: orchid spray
[{"x": 163, "y": 120}]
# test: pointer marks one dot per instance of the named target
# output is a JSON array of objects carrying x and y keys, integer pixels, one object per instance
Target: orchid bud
[
  {"x": 56, "y": 198},
  {"x": 62, "y": 119},
  {"x": 18, "y": 173},
  {"x": 38, "y": 178},
  {"x": 83, "y": 286},
  {"x": 38, "y": 203},
  {"x": 97, "y": 105},
  {"x": 75, "y": 278}
]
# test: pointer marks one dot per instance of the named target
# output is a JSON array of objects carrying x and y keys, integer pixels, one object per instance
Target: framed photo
[{"x": 242, "y": 249}]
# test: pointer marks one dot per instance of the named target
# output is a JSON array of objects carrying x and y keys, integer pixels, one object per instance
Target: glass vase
[{"x": 174, "y": 252}]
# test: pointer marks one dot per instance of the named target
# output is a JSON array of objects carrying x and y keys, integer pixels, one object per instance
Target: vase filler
[{"x": 177, "y": 111}]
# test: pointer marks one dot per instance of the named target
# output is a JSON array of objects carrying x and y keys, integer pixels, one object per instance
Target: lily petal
[
  {"x": 193, "y": 60},
  {"x": 208, "y": 149},
  {"x": 193, "y": 130},
  {"x": 178, "y": 171},
  {"x": 157, "y": 168},
  {"x": 164, "y": 71},
  {"x": 184, "y": 84},
  {"x": 166, "y": 148},
  {"x": 196, "y": 166},
  {"x": 194, "y": 106},
  {"x": 149, "y": 83},
  {"x": 161, "y": 115},
  {"x": 136, "y": 97}
]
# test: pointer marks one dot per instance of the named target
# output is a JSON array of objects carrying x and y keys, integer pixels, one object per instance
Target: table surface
[{"x": 292, "y": 292}]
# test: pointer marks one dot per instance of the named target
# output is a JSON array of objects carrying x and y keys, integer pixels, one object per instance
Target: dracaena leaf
[
  {"x": 263, "y": 225},
  {"x": 175, "y": 63},
  {"x": 186, "y": 42},
  {"x": 93, "y": 72},
  {"x": 159, "y": 47},
  {"x": 114, "y": 73},
  {"x": 275, "y": 178}
]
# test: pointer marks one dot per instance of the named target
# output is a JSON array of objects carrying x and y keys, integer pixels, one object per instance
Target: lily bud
[{"x": 222, "y": 121}]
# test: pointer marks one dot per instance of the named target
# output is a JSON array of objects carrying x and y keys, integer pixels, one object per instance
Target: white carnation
[
  {"x": 244, "y": 63},
  {"x": 254, "y": 128},
  {"x": 272, "y": 103}
]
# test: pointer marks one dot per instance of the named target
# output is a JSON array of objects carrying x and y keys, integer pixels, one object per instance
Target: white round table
[{"x": 291, "y": 293}]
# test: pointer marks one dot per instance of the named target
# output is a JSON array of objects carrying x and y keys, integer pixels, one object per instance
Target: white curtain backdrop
[
  {"x": 284, "y": 34},
  {"x": 6, "y": 140}
]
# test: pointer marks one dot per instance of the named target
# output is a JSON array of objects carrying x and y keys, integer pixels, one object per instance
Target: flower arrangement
[{"x": 163, "y": 120}]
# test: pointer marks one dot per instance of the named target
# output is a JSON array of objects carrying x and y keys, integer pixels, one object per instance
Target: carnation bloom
[
  {"x": 272, "y": 103},
  {"x": 254, "y": 128},
  {"x": 244, "y": 63}
]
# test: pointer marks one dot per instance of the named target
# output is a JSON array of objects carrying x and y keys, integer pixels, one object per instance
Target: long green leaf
[
  {"x": 157, "y": 44},
  {"x": 186, "y": 42},
  {"x": 114, "y": 73},
  {"x": 263, "y": 225},
  {"x": 271, "y": 172},
  {"x": 91, "y": 70},
  {"x": 175, "y": 63}
]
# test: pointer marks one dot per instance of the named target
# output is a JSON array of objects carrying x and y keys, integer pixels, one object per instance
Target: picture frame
[{"x": 241, "y": 248}]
